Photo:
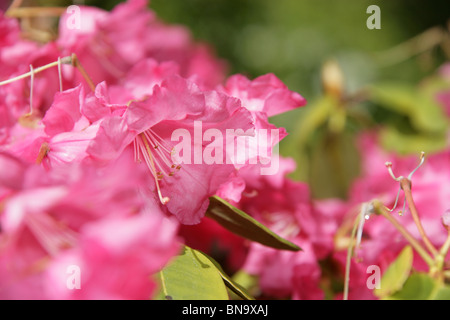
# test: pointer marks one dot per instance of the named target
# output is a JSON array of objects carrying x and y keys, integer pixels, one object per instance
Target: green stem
[{"x": 440, "y": 258}]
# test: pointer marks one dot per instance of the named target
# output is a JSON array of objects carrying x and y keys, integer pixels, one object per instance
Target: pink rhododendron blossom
[
  {"x": 62, "y": 136},
  {"x": 116, "y": 258},
  {"x": 264, "y": 96},
  {"x": 110, "y": 43},
  {"x": 48, "y": 218},
  {"x": 183, "y": 182}
]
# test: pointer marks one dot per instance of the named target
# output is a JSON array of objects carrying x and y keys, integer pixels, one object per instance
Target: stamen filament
[
  {"x": 389, "y": 166},
  {"x": 31, "y": 91},
  {"x": 164, "y": 200},
  {"x": 60, "y": 75},
  {"x": 422, "y": 160}
]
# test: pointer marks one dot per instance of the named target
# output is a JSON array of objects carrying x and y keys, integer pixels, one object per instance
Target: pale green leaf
[
  {"x": 191, "y": 276},
  {"x": 396, "y": 274},
  {"x": 421, "y": 286},
  {"x": 229, "y": 282},
  {"x": 393, "y": 140}
]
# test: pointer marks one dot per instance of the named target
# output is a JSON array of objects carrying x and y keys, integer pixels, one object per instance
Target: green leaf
[
  {"x": 191, "y": 276},
  {"x": 396, "y": 274},
  {"x": 443, "y": 293},
  {"x": 248, "y": 281},
  {"x": 420, "y": 286},
  {"x": 393, "y": 140},
  {"x": 229, "y": 282},
  {"x": 245, "y": 226},
  {"x": 424, "y": 113}
]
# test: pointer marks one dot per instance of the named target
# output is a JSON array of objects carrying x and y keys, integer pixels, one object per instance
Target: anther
[
  {"x": 43, "y": 151},
  {"x": 389, "y": 166}
]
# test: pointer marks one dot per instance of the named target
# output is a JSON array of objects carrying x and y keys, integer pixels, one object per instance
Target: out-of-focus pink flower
[
  {"x": 116, "y": 258},
  {"x": 62, "y": 136},
  {"x": 263, "y": 94},
  {"x": 109, "y": 44},
  {"x": 97, "y": 216}
]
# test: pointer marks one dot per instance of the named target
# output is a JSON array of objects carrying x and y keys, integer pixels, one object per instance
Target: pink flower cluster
[{"x": 88, "y": 176}]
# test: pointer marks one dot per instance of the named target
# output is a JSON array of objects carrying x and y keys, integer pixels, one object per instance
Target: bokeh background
[{"x": 323, "y": 50}]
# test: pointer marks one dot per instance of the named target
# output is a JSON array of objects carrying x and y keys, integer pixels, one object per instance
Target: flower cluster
[
  {"x": 98, "y": 165},
  {"x": 115, "y": 136}
]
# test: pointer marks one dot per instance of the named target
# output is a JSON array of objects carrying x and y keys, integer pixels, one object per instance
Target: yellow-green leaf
[
  {"x": 419, "y": 286},
  {"x": 422, "y": 110},
  {"x": 396, "y": 274},
  {"x": 229, "y": 282},
  {"x": 191, "y": 276}
]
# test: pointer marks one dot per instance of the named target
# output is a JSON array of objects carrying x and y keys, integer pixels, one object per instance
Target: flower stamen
[
  {"x": 156, "y": 155},
  {"x": 402, "y": 179}
]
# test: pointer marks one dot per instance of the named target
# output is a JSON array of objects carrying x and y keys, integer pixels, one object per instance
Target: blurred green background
[{"x": 294, "y": 38}]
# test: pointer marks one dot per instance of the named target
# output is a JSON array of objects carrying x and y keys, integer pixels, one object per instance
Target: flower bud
[{"x": 332, "y": 78}]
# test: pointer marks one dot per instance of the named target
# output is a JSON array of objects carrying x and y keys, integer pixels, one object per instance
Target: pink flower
[
  {"x": 52, "y": 220},
  {"x": 264, "y": 97},
  {"x": 116, "y": 259},
  {"x": 64, "y": 133},
  {"x": 110, "y": 43},
  {"x": 180, "y": 176},
  {"x": 263, "y": 94}
]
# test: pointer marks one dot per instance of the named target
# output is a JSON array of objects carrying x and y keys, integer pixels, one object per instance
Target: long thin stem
[
  {"x": 443, "y": 253},
  {"x": 406, "y": 186},
  {"x": 380, "y": 209},
  {"x": 66, "y": 60},
  {"x": 349, "y": 256},
  {"x": 445, "y": 247},
  {"x": 73, "y": 60}
]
